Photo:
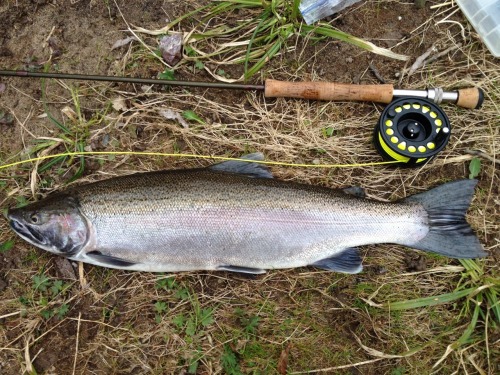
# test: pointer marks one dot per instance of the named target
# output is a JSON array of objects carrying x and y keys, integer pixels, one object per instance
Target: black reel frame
[{"x": 412, "y": 131}]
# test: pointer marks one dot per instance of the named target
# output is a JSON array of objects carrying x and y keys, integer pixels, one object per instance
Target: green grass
[
  {"x": 257, "y": 38},
  {"x": 47, "y": 298},
  {"x": 476, "y": 292},
  {"x": 73, "y": 136},
  {"x": 221, "y": 323}
]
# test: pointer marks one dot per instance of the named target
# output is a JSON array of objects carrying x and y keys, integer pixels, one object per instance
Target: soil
[{"x": 76, "y": 37}]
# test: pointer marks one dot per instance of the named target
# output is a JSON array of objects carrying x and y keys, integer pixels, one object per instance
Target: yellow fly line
[{"x": 193, "y": 156}]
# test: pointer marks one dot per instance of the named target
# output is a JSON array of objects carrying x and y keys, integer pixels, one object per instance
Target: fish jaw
[
  {"x": 28, "y": 234},
  {"x": 54, "y": 224}
]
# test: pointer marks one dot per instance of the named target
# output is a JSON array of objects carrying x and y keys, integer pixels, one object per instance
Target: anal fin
[
  {"x": 246, "y": 270},
  {"x": 348, "y": 261}
]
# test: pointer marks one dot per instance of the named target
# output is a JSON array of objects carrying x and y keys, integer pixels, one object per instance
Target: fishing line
[{"x": 193, "y": 156}]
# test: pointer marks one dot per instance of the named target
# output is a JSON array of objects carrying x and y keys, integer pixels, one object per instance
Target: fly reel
[{"x": 411, "y": 131}]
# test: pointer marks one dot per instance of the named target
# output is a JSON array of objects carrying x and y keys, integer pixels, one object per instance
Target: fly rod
[{"x": 471, "y": 98}]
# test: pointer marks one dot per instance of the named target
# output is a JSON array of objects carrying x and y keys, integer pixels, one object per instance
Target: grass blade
[
  {"x": 273, "y": 50},
  {"x": 249, "y": 48},
  {"x": 81, "y": 167},
  {"x": 42, "y": 168},
  {"x": 46, "y": 109},
  {"x": 464, "y": 339},
  {"x": 429, "y": 301},
  {"x": 494, "y": 303},
  {"x": 358, "y": 42}
]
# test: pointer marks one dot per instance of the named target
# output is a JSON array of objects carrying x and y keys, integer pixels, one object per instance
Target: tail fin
[{"x": 449, "y": 233}]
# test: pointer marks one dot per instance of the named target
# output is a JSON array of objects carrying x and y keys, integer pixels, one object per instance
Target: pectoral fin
[
  {"x": 348, "y": 261},
  {"x": 108, "y": 260}
]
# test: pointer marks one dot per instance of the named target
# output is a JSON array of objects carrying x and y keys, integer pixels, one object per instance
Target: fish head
[{"x": 54, "y": 224}]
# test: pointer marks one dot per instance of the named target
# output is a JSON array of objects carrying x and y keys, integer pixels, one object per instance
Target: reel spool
[{"x": 411, "y": 131}]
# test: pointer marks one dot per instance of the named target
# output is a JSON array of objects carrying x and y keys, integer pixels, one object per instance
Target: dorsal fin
[{"x": 250, "y": 169}]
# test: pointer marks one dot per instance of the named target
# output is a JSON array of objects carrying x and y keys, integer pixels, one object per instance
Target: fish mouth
[{"x": 26, "y": 232}]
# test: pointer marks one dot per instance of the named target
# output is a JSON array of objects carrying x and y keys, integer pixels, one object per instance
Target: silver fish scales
[{"x": 234, "y": 216}]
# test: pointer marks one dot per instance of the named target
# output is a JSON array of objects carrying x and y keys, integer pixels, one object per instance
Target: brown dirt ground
[{"x": 83, "y": 32}]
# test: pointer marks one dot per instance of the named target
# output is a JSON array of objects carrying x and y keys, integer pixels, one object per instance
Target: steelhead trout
[{"x": 234, "y": 216}]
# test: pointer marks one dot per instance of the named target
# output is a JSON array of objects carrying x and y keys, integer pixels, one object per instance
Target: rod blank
[
  {"x": 143, "y": 81},
  {"x": 471, "y": 98}
]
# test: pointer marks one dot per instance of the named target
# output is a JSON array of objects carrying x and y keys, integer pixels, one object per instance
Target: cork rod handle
[
  {"x": 471, "y": 98},
  {"x": 328, "y": 91}
]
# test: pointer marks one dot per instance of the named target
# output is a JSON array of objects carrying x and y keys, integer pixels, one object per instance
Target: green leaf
[
  {"x": 206, "y": 317},
  {"x": 41, "y": 282},
  {"x": 56, "y": 287},
  {"x": 167, "y": 74},
  {"x": 190, "y": 327},
  {"x": 165, "y": 283},
  {"x": 160, "y": 307},
  {"x": 179, "y": 321},
  {"x": 182, "y": 294},
  {"x": 230, "y": 361},
  {"x": 398, "y": 371},
  {"x": 251, "y": 324},
  {"x": 6, "y": 246},
  {"x": 47, "y": 314},
  {"x": 328, "y": 132},
  {"x": 193, "y": 366},
  {"x": 199, "y": 65},
  {"x": 62, "y": 310},
  {"x": 21, "y": 201},
  {"x": 191, "y": 116},
  {"x": 190, "y": 51},
  {"x": 474, "y": 168}
]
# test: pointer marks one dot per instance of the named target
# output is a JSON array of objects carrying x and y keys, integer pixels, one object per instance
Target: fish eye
[{"x": 35, "y": 218}]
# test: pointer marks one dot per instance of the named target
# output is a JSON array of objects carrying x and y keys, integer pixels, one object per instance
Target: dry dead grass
[{"x": 113, "y": 324}]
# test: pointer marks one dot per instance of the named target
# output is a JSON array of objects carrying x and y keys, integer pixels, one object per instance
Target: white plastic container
[
  {"x": 314, "y": 10},
  {"x": 484, "y": 15}
]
